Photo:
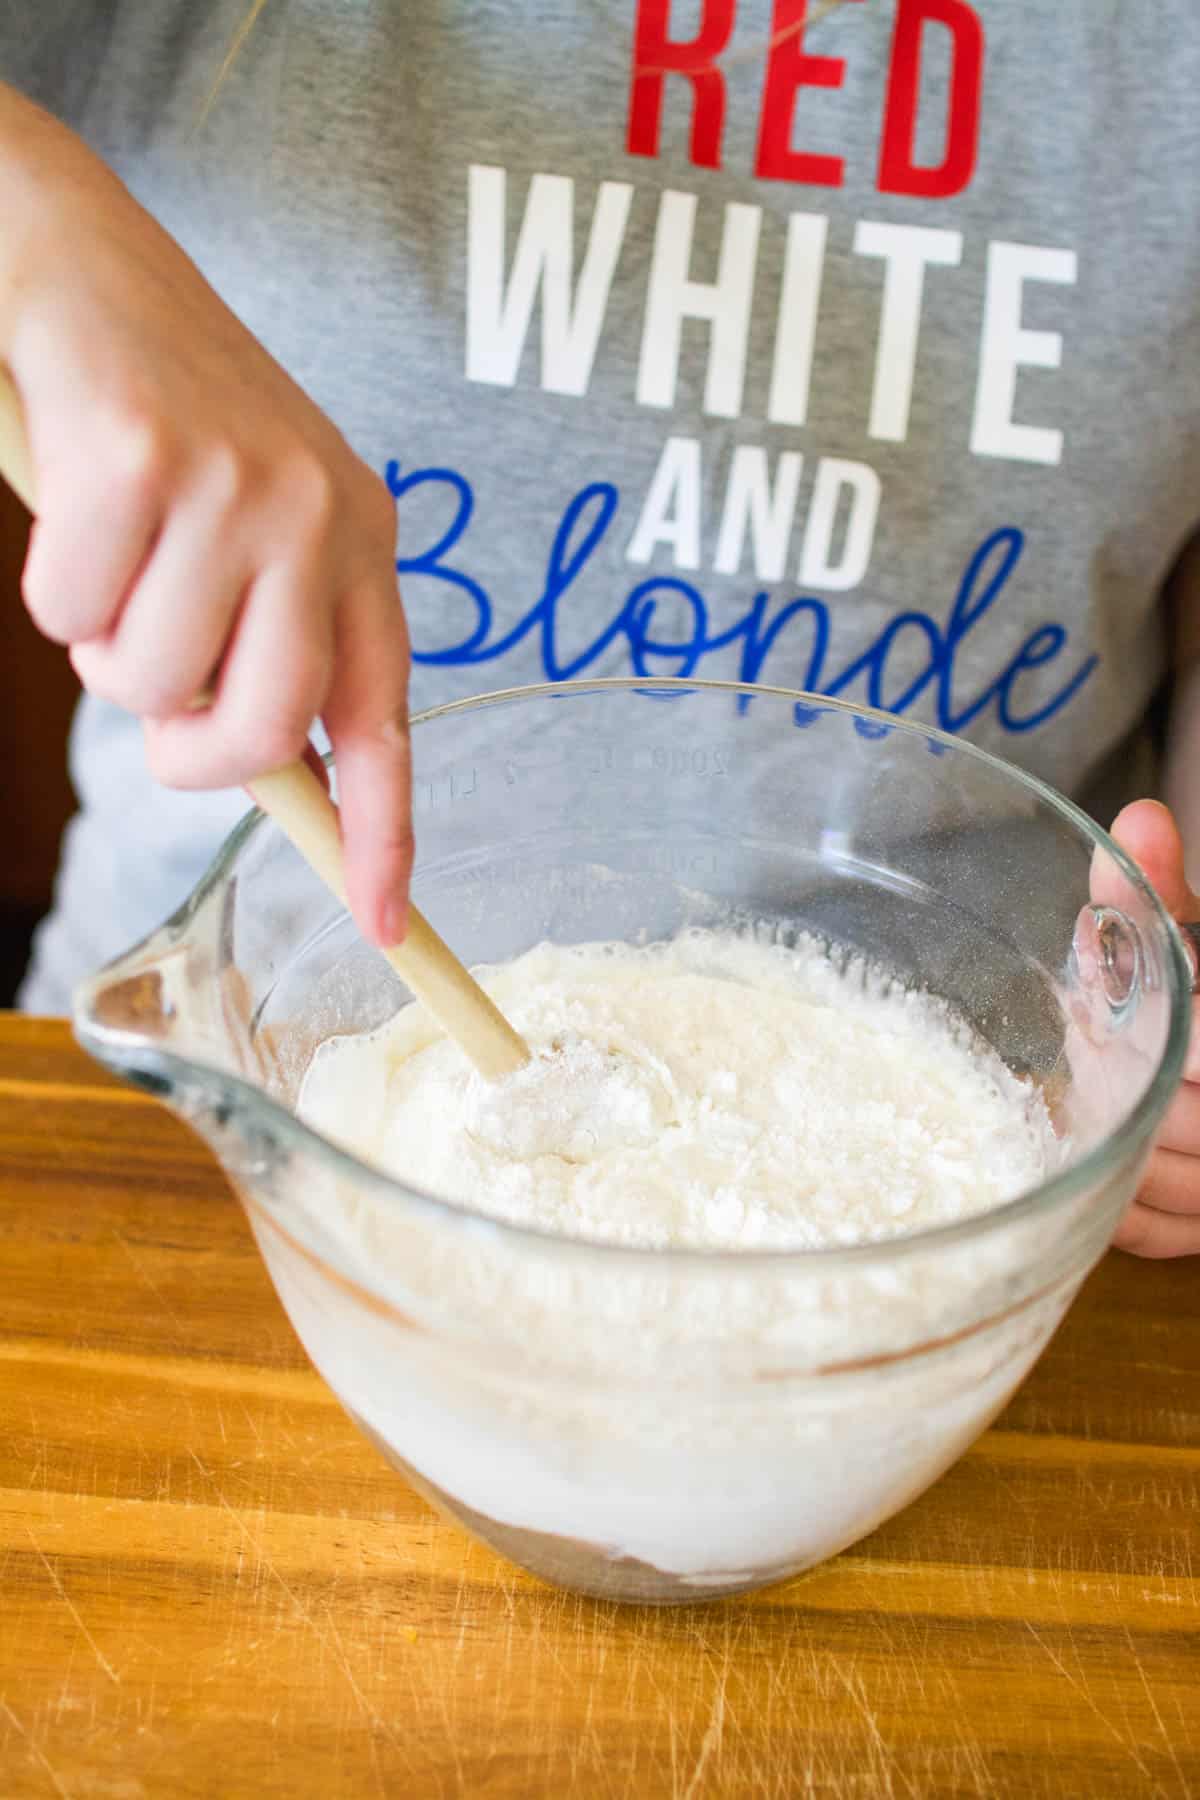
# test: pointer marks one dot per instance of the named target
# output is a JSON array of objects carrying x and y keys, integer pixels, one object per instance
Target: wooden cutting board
[{"x": 211, "y": 1585}]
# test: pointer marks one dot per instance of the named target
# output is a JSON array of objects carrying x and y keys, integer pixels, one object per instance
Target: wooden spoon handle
[{"x": 299, "y": 805}]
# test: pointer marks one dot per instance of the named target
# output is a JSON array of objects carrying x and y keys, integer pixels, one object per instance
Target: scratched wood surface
[{"x": 211, "y": 1585}]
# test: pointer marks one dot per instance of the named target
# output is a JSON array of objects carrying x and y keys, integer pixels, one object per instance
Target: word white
[{"x": 500, "y": 307}]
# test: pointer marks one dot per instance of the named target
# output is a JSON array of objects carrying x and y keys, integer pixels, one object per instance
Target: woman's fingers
[
  {"x": 1164, "y": 1220},
  {"x": 366, "y": 716},
  {"x": 271, "y": 686},
  {"x": 1191, "y": 1062},
  {"x": 172, "y": 631},
  {"x": 285, "y": 650},
  {"x": 1171, "y": 1183},
  {"x": 99, "y": 515},
  {"x": 1144, "y": 1231},
  {"x": 1180, "y": 1129}
]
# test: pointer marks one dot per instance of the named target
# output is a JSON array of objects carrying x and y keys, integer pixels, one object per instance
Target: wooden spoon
[{"x": 299, "y": 805}]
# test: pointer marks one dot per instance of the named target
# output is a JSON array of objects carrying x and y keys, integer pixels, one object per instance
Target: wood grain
[{"x": 211, "y": 1585}]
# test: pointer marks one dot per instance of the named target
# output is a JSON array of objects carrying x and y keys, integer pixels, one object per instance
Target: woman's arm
[{"x": 199, "y": 519}]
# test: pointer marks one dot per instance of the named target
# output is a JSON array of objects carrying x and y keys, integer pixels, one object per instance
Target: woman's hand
[
  {"x": 201, "y": 524},
  {"x": 1164, "y": 1219}
]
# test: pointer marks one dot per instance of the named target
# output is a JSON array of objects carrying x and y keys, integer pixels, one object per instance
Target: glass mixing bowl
[{"x": 672, "y": 1425}]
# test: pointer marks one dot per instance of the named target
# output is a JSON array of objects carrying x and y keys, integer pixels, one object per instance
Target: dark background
[{"x": 38, "y": 691}]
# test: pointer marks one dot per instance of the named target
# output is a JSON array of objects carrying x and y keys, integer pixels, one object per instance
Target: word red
[{"x": 789, "y": 68}]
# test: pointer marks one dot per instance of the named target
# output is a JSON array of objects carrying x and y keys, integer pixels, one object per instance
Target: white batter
[
  {"x": 716, "y": 1092},
  {"x": 713, "y": 1421}
]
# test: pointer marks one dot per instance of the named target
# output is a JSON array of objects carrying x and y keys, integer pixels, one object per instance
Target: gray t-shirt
[{"x": 865, "y": 360}]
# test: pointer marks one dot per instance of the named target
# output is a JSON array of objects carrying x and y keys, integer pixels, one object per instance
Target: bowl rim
[{"x": 130, "y": 1053}]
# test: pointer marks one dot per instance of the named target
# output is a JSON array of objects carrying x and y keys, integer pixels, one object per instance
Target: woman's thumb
[{"x": 1147, "y": 832}]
